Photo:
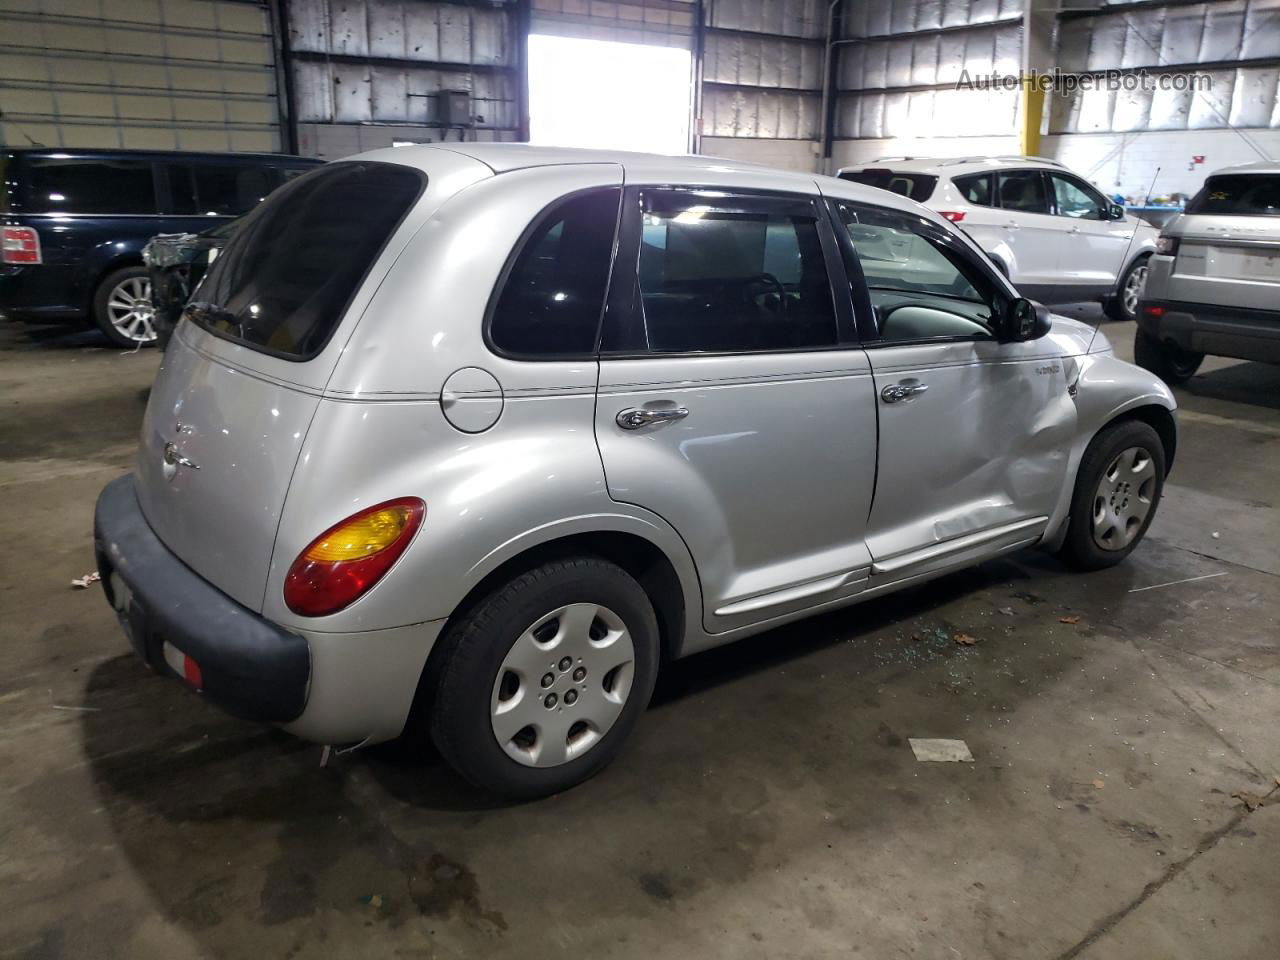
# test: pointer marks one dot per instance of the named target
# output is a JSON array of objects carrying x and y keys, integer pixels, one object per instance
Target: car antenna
[{"x": 1138, "y": 221}]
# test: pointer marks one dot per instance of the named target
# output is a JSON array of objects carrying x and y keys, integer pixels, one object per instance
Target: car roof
[
  {"x": 105, "y": 152},
  {"x": 952, "y": 166},
  {"x": 1258, "y": 166}
]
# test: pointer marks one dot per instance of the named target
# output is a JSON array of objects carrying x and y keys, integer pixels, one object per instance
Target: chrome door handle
[
  {"x": 633, "y": 418},
  {"x": 902, "y": 391}
]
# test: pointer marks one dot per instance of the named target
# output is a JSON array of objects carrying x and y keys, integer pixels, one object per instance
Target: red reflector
[
  {"x": 955, "y": 216},
  {"x": 1152, "y": 310},
  {"x": 20, "y": 245},
  {"x": 191, "y": 672}
]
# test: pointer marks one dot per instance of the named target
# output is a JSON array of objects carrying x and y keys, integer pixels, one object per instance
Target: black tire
[
  {"x": 1171, "y": 364},
  {"x": 474, "y": 649},
  {"x": 1114, "y": 306},
  {"x": 1080, "y": 548},
  {"x": 101, "y": 309}
]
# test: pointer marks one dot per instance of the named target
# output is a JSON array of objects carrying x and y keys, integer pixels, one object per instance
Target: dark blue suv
[{"x": 74, "y": 224}]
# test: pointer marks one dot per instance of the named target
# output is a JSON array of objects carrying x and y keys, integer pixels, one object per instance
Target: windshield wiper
[{"x": 206, "y": 314}]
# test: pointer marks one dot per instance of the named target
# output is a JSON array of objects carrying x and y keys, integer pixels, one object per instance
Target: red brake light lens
[
  {"x": 20, "y": 245},
  {"x": 1153, "y": 310},
  {"x": 344, "y": 562},
  {"x": 955, "y": 216}
]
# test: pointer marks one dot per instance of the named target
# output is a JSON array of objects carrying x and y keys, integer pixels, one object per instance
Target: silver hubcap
[
  {"x": 562, "y": 685},
  {"x": 129, "y": 309},
  {"x": 1123, "y": 499},
  {"x": 1133, "y": 289}
]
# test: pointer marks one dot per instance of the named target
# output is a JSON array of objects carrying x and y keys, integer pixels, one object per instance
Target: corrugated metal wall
[
  {"x": 367, "y": 73},
  {"x": 143, "y": 74},
  {"x": 900, "y": 66},
  {"x": 1236, "y": 41}
]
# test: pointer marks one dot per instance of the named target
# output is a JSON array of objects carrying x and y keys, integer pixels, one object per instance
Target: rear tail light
[
  {"x": 955, "y": 216},
  {"x": 344, "y": 562},
  {"x": 21, "y": 245},
  {"x": 1167, "y": 246},
  {"x": 1153, "y": 310}
]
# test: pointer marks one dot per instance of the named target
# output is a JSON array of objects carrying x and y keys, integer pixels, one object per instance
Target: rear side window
[
  {"x": 915, "y": 186},
  {"x": 1240, "y": 195},
  {"x": 221, "y": 190},
  {"x": 1023, "y": 190},
  {"x": 552, "y": 298},
  {"x": 88, "y": 185},
  {"x": 975, "y": 188},
  {"x": 289, "y": 272},
  {"x": 724, "y": 274}
]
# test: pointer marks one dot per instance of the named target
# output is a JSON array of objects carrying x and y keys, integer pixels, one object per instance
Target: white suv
[{"x": 1052, "y": 233}]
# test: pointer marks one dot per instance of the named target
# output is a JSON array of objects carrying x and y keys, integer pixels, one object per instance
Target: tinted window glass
[
  {"x": 288, "y": 273},
  {"x": 715, "y": 279},
  {"x": 917, "y": 186},
  {"x": 975, "y": 188},
  {"x": 1023, "y": 190},
  {"x": 918, "y": 288},
  {"x": 208, "y": 189},
  {"x": 1239, "y": 194},
  {"x": 1073, "y": 199},
  {"x": 89, "y": 186},
  {"x": 553, "y": 296}
]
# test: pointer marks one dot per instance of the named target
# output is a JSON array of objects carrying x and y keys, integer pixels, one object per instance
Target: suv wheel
[
  {"x": 1170, "y": 363},
  {"x": 1118, "y": 488},
  {"x": 122, "y": 308},
  {"x": 540, "y": 684},
  {"x": 1124, "y": 305}
]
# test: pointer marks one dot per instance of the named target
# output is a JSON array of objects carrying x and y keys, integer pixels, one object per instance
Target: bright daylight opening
[{"x": 619, "y": 96}]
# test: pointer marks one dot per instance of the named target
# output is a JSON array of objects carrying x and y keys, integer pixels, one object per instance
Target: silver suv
[
  {"x": 473, "y": 439},
  {"x": 1214, "y": 283}
]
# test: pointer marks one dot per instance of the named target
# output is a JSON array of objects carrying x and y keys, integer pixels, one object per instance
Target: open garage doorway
[{"x": 606, "y": 95}]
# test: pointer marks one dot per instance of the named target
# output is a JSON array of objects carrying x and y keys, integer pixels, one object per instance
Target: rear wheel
[
  {"x": 1124, "y": 305},
  {"x": 122, "y": 308},
  {"x": 1118, "y": 488},
  {"x": 540, "y": 685},
  {"x": 1170, "y": 363}
]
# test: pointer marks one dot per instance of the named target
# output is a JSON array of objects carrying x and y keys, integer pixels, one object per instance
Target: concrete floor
[{"x": 769, "y": 805}]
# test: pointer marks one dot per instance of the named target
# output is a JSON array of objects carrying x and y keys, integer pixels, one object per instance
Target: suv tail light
[
  {"x": 1168, "y": 246},
  {"x": 344, "y": 562},
  {"x": 955, "y": 216},
  {"x": 21, "y": 245}
]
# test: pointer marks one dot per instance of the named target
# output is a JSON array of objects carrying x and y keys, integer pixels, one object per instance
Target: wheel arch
[{"x": 1160, "y": 419}]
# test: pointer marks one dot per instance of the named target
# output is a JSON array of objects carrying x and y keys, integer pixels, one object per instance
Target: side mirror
[
  {"x": 1024, "y": 320},
  {"x": 1115, "y": 212}
]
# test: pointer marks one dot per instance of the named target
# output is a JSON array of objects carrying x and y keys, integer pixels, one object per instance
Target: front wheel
[
  {"x": 541, "y": 683},
  {"x": 1171, "y": 364},
  {"x": 1118, "y": 488},
  {"x": 1124, "y": 305},
  {"x": 122, "y": 308}
]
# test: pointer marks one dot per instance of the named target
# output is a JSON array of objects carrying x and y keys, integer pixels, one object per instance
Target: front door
[
  {"x": 974, "y": 433},
  {"x": 1094, "y": 252},
  {"x": 729, "y": 403}
]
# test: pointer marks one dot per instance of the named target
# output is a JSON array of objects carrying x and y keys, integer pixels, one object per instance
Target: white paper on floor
[{"x": 940, "y": 751}]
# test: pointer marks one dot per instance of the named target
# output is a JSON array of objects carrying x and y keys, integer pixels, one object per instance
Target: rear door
[
  {"x": 233, "y": 401},
  {"x": 1032, "y": 233},
  {"x": 731, "y": 401},
  {"x": 1095, "y": 246}
]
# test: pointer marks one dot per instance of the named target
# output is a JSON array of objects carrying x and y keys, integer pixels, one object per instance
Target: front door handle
[
  {"x": 633, "y": 418},
  {"x": 902, "y": 391}
]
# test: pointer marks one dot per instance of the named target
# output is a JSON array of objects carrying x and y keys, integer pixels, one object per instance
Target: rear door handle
[
  {"x": 633, "y": 418},
  {"x": 902, "y": 391}
]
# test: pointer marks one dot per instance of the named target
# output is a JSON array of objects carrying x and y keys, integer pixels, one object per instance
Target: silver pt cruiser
[{"x": 473, "y": 439}]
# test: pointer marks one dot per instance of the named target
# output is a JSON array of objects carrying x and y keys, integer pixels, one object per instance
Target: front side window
[
  {"x": 1073, "y": 199},
  {"x": 1239, "y": 194},
  {"x": 975, "y": 188},
  {"x": 289, "y": 271},
  {"x": 1022, "y": 191},
  {"x": 89, "y": 185},
  {"x": 552, "y": 298},
  {"x": 731, "y": 275},
  {"x": 919, "y": 288}
]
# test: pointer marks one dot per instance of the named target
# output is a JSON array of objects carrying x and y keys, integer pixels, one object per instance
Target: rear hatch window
[
  {"x": 286, "y": 277},
  {"x": 914, "y": 186},
  {"x": 1239, "y": 195}
]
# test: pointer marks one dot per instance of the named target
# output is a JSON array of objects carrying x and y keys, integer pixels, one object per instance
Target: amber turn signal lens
[{"x": 345, "y": 561}]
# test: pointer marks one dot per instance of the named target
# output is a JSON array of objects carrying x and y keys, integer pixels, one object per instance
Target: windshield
[
  {"x": 914, "y": 186},
  {"x": 1239, "y": 194},
  {"x": 286, "y": 277}
]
